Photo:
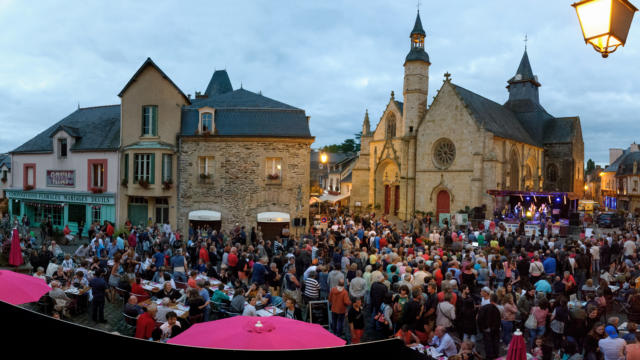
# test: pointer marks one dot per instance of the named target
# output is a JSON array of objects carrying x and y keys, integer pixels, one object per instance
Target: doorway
[
  {"x": 443, "y": 205},
  {"x": 387, "y": 199}
]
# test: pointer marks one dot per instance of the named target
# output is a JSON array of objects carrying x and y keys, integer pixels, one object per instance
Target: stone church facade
[{"x": 445, "y": 157}]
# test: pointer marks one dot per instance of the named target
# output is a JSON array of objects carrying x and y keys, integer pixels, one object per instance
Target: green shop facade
[{"x": 72, "y": 208}]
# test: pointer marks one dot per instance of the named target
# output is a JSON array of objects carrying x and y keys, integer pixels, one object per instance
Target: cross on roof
[
  {"x": 525, "y": 42},
  {"x": 418, "y": 6},
  {"x": 447, "y": 76}
]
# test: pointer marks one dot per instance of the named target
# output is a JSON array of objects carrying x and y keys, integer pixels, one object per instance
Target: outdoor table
[
  {"x": 614, "y": 288},
  {"x": 181, "y": 310},
  {"x": 212, "y": 281},
  {"x": 150, "y": 286},
  {"x": 269, "y": 311}
]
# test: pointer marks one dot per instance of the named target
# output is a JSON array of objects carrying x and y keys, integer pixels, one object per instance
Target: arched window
[
  {"x": 552, "y": 173},
  {"x": 391, "y": 126}
]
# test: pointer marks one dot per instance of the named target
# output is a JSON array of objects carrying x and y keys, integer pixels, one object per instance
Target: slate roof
[
  {"x": 495, "y": 117},
  {"x": 245, "y": 113},
  {"x": 625, "y": 165},
  {"x": 524, "y": 70},
  {"x": 417, "y": 27},
  {"x": 5, "y": 159},
  {"x": 219, "y": 84},
  {"x": 417, "y": 54},
  {"x": 560, "y": 130},
  {"x": 98, "y": 128},
  {"x": 613, "y": 167}
]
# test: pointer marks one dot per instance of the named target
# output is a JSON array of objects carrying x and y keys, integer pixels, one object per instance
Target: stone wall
[{"x": 239, "y": 188}]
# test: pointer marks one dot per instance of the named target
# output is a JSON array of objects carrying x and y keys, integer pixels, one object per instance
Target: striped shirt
[{"x": 311, "y": 288}]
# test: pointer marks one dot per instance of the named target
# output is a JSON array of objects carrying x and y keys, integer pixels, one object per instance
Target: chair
[
  {"x": 130, "y": 322},
  {"x": 46, "y": 304},
  {"x": 124, "y": 295}
]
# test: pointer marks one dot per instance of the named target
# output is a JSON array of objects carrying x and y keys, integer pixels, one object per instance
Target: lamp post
[
  {"x": 605, "y": 23},
  {"x": 324, "y": 159}
]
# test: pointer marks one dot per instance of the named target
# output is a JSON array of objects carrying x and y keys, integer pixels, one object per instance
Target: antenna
[
  {"x": 525, "y": 42},
  {"x": 418, "y": 6}
]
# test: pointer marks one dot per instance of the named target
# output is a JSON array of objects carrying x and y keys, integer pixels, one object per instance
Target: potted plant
[
  {"x": 273, "y": 176},
  {"x": 96, "y": 190},
  {"x": 167, "y": 184},
  {"x": 28, "y": 187},
  {"x": 205, "y": 176},
  {"x": 143, "y": 183}
]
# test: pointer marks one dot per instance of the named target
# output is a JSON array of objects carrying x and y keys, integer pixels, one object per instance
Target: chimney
[{"x": 614, "y": 154}]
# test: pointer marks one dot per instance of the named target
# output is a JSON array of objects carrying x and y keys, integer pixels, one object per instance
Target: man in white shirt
[
  {"x": 443, "y": 342},
  {"x": 629, "y": 248},
  {"x": 595, "y": 258}
]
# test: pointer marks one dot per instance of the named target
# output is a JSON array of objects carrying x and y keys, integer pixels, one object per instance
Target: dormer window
[
  {"x": 206, "y": 124},
  {"x": 62, "y": 148}
]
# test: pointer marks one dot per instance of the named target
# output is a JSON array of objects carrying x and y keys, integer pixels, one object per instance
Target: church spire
[
  {"x": 366, "y": 126},
  {"x": 417, "y": 42},
  {"x": 524, "y": 84}
]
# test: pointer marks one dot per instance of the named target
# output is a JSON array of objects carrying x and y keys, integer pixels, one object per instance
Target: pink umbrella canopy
[
  {"x": 15, "y": 255},
  {"x": 517, "y": 348},
  {"x": 16, "y": 288},
  {"x": 257, "y": 333}
]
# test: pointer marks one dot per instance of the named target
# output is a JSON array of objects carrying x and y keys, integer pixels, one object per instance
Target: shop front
[
  {"x": 201, "y": 219},
  {"x": 76, "y": 209}
]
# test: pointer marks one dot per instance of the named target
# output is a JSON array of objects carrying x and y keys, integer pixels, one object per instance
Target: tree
[{"x": 591, "y": 165}]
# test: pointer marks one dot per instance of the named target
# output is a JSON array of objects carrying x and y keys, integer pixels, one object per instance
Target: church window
[
  {"x": 391, "y": 126},
  {"x": 444, "y": 153},
  {"x": 552, "y": 173}
]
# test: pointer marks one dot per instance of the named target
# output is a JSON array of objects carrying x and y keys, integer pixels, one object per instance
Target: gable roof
[
  {"x": 625, "y": 165},
  {"x": 98, "y": 129},
  {"x": 494, "y": 117},
  {"x": 72, "y": 131},
  {"x": 146, "y": 64}
]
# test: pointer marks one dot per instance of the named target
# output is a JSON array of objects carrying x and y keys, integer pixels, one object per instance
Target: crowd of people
[{"x": 413, "y": 280}]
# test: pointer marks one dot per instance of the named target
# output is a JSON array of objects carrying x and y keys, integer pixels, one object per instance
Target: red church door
[
  {"x": 387, "y": 198},
  {"x": 443, "y": 204},
  {"x": 396, "y": 200}
]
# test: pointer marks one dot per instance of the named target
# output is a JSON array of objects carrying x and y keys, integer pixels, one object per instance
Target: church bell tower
[{"x": 416, "y": 80}]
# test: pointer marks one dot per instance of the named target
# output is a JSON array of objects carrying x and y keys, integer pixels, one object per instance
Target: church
[{"x": 447, "y": 156}]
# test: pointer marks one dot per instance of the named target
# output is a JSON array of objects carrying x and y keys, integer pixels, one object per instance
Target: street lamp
[
  {"x": 324, "y": 159},
  {"x": 605, "y": 23}
]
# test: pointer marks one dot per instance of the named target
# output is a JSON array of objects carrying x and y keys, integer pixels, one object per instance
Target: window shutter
[
  {"x": 154, "y": 120},
  {"x": 152, "y": 176},
  {"x": 126, "y": 167}
]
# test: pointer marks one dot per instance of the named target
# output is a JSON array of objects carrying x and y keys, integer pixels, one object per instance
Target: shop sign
[
  {"x": 61, "y": 178},
  {"x": 70, "y": 197}
]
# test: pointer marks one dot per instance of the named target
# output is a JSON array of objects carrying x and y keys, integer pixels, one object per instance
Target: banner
[{"x": 61, "y": 178}]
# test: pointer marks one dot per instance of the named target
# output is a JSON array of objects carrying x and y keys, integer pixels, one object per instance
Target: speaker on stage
[
  {"x": 574, "y": 219},
  {"x": 296, "y": 222}
]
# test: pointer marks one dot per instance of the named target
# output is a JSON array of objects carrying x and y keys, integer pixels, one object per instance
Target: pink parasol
[
  {"x": 16, "y": 288},
  {"x": 257, "y": 333},
  {"x": 517, "y": 348},
  {"x": 15, "y": 256}
]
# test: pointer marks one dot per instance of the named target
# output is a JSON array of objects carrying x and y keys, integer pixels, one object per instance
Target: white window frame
[
  {"x": 99, "y": 167},
  {"x": 143, "y": 162},
  {"x": 206, "y": 162},
  {"x": 147, "y": 116},
  {"x": 210, "y": 120},
  {"x": 167, "y": 170}
]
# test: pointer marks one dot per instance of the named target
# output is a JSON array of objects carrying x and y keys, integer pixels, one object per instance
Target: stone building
[
  {"x": 620, "y": 180},
  {"x": 445, "y": 157},
  {"x": 244, "y": 158}
]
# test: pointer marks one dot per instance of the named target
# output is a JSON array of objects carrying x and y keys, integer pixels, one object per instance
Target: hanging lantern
[{"x": 605, "y": 23}]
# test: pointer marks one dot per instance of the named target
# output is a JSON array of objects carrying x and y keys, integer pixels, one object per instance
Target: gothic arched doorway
[
  {"x": 443, "y": 203},
  {"x": 387, "y": 193}
]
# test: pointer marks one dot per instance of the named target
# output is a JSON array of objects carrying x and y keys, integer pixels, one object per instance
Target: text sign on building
[{"x": 61, "y": 178}]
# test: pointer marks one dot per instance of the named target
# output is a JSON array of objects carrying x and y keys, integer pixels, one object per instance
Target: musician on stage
[{"x": 518, "y": 210}]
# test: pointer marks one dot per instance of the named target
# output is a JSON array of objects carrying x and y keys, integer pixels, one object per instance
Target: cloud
[{"x": 333, "y": 59}]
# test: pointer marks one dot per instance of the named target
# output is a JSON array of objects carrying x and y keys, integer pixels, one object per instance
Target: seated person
[
  {"x": 172, "y": 327},
  {"x": 237, "y": 303},
  {"x": 212, "y": 272},
  {"x": 192, "y": 281},
  {"x": 131, "y": 308},
  {"x": 137, "y": 289},
  {"x": 407, "y": 336},
  {"x": 168, "y": 291},
  {"x": 40, "y": 274},
  {"x": 219, "y": 296},
  {"x": 163, "y": 309},
  {"x": 588, "y": 286},
  {"x": 291, "y": 311},
  {"x": 250, "y": 308},
  {"x": 444, "y": 342},
  {"x": 80, "y": 281},
  {"x": 146, "y": 322},
  {"x": 161, "y": 276},
  {"x": 60, "y": 275},
  {"x": 60, "y": 299}
]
